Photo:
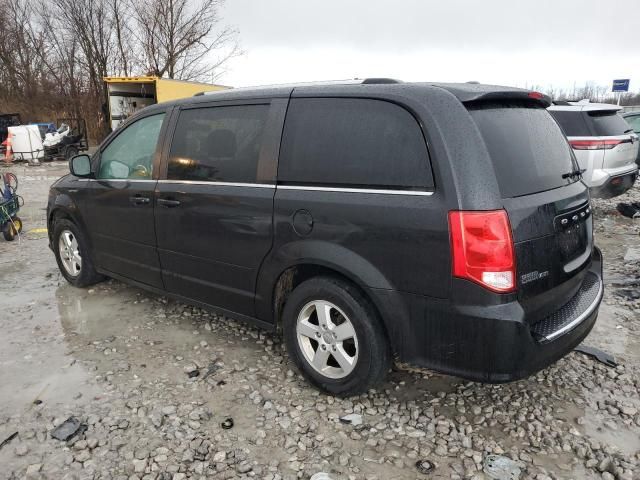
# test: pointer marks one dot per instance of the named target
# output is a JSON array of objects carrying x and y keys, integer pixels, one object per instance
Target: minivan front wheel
[
  {"x": 334, "y": 336},
  {"x": 72, "y": 254}
]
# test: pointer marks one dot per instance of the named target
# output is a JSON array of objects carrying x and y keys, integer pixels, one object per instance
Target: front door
[
  {"x": 215, "y": 206},
  {"x": 120, "y": 213}
]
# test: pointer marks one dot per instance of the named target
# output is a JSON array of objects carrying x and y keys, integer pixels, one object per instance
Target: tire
[
  {"x": 70, "y": 152},
  {"x": 367, "y": 356},
  {"x": 9, "y": 232},
  {"x": 86, "y": 274}
]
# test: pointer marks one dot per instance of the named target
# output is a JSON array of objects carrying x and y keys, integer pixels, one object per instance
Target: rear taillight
[
  {"x": 595, "y": 144},
  {"x": 482, "y": 249}
]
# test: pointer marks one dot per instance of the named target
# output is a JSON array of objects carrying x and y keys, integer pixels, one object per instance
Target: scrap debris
[
  {"x": 8, "y": 439},
  {"x": 631, "y": 210},
  {"x": 68, "y": 429},
  {"x": 498, "y": 467},
  {"x": 425, "y": 466},
  {"x": 599, "y": 355}
]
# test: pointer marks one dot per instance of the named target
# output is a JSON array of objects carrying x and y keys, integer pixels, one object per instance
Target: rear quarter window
[
  {"x": 353, "y": 142},
  {"x": 607, "y": 123},
  {"x": 529, "y": 152}
]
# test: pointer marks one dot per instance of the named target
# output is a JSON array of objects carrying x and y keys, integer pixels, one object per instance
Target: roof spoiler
[
  {"x": 477, "y": 93},
  {"x": 529, "y": 96}
]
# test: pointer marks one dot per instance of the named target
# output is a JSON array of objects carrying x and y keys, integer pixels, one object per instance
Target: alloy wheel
[
  {"x": 327, "y": 339},
  {"x": 69, "y": 253}
]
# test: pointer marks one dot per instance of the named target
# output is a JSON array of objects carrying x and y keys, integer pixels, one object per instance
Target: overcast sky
[{"x": 508, "y": 42}]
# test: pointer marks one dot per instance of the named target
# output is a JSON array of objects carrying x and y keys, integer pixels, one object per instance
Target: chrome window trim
[
  {"x": 219, "y": 184},
  {"x": 115, "y": 180},
  {"x": 356, "y": 190},
  {"x": 583, "y": 316},
  {"x": 269, "y": 185}
]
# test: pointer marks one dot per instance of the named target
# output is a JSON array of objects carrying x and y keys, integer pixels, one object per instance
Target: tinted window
[
  {"x": 634, "y": 122},
  {"x": 130, "y": 154},
  {"x": 528, "y": 149},
  {"x": 220, "y": 144},
  {"x": 353, "y": 142},
  {"x": 608, "y": 123},
  {"x": 573, "y": 123}
]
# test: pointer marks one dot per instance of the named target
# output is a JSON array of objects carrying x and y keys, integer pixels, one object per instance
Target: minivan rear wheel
[{"x": 334, "y": 336}]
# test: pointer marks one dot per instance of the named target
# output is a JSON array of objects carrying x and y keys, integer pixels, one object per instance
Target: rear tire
[
  {"x": 335, "y": 337},
  {"x": 70, "y": 152},
  {"x": 72, "y": 254},
  {"x": 9, "y": 232}
]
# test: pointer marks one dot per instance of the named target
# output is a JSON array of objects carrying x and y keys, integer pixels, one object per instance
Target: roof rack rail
[{"x": 379, "y": 81}]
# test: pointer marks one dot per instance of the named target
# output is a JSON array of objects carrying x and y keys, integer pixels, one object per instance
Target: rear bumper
[
  {"x": 495, "y": 344},
  {"x": 614, "y": 184}
]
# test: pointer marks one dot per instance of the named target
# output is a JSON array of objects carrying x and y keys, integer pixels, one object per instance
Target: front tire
[
  {"x": 72, "y": 254},
  {"x": 334, "y": 336}
]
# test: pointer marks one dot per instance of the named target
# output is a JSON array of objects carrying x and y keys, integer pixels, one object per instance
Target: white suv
[{"x": 604, "y": 144}]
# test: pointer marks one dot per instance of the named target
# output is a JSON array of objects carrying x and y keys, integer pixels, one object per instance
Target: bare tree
[{"x": 183, "y": 38}]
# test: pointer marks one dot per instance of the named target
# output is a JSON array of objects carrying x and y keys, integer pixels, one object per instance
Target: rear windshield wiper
[
  {"x": 574, "y": 173},
  {"x": 629, "y": 131}
]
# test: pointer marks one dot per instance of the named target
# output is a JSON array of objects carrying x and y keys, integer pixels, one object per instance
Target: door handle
[
  {"x": 168, "y": 203},
  {"x": 139, "y": 200}
]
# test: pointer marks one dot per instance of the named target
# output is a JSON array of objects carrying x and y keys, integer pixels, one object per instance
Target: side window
[
  {"x": 634, "y": 122},
  {"x": 218, "y": 144},
  {"x": 353, "y": 142},
  {"x": 130, "y": 154}
]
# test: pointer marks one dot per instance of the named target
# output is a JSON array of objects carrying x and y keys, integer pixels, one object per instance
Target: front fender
[{"x": 60, "y": 202}]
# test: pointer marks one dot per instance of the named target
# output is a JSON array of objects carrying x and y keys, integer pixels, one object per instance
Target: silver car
[{"x": 604, "y": 144}]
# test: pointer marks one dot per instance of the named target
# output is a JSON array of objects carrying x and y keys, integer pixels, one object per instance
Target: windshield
[{"x": 530, "y": 153}]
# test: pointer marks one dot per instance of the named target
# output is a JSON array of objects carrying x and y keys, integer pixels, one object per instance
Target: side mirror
[{"x": 80, "y": 165}]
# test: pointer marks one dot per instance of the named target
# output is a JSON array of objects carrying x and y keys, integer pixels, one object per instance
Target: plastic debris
[
  {"x": 211, "y": 369},
  {"x": 321, "y": 476},
  {"x": 227, "y": 424},
  {"x": 352, "y": 419},
  {"x": 599, "y": 355},
  {"x": 631, "y": 210},
  {"x": 68, "y": 429},
  {"x": 8, "y": 439},
  {"x": 425, "y": 466},
  {"x": 498, "y": 467}
]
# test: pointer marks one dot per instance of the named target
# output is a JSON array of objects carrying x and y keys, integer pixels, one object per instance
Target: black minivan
[{"x": 442, "y": 225}]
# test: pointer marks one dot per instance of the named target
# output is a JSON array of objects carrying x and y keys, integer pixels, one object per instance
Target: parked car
[
  {"x": 604, "y": 145},
  {"x": 633, "y": 119},
  {"x": 443, "y": 225}
]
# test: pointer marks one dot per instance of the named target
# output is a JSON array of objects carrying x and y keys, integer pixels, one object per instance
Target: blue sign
[{"x": 620, "y": 85}]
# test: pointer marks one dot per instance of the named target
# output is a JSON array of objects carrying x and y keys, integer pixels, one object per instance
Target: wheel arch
[
  {"x": 65, "y": 209},
  {"x": 304, "y": 260}
]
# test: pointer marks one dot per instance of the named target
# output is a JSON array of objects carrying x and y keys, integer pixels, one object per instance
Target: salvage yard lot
[{"x": 154, "y": 379}]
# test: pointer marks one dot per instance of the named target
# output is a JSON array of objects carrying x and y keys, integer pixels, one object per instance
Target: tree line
[{"x": 54, "y": 54}]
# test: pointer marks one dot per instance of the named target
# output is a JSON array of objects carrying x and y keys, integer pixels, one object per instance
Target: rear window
[
  {"x": 529, "y": 151},
  {"x": 607, "y": 123},
  {"x": 573, "y": 123},
  {"x": 353, "y": 142}
]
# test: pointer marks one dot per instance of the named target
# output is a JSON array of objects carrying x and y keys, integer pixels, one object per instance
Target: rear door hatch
[{"x": 547, "y": 203}]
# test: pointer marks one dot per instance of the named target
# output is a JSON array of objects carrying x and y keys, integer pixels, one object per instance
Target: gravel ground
[{"x": 153, "y": 381}]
